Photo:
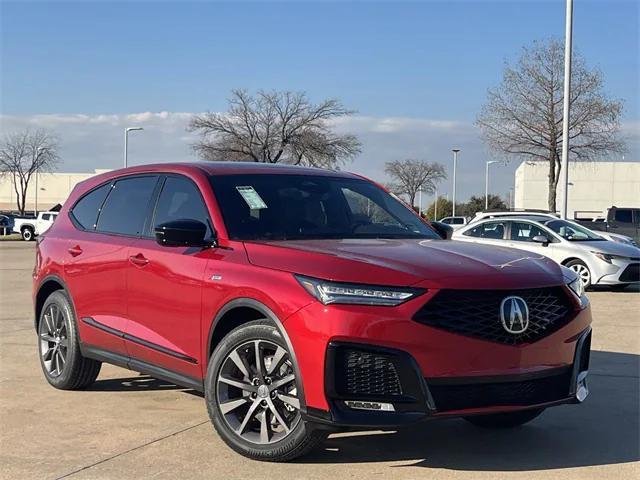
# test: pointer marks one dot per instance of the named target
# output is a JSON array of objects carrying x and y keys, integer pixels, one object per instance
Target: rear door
[
  {"x": 165, "y": 286},
  {"x": 107, "y": 220},
  {"x": 493, "y": 232}
]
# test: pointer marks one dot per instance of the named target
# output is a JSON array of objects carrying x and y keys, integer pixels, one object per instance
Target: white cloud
[{"x": 96, "y": 141}]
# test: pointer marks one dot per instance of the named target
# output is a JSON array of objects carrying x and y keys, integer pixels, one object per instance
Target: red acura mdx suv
[{"x": 301, "y": 301}]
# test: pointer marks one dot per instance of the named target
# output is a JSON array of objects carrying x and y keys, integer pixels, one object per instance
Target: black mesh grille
[
  {"x": 479, "y": 395},
  {"x": 631, "y": 273},
  {"x": 476, "y": 313},
  {"x": 366, "y": 373}
]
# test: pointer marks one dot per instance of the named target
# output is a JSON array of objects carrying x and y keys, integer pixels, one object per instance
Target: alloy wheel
[
  {"x": 256, "y": 392},
  {"x": 583, "y": 273},
  {"x": 54, "y": 340}
]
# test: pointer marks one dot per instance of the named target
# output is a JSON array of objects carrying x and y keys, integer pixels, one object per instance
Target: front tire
[
  {"x": 63, "y": 365},
  {"x": 251, "y": 391},
  {"x": 581, "y": 270},
  {"x": 504, "y": 420}
]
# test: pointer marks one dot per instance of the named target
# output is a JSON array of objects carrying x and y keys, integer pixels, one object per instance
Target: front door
[{"x": 165, "y": 287}]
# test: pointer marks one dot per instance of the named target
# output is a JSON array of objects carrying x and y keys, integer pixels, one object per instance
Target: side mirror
[
  {"x": 541, "y": 239},
  {"x": 182, "y": 233},
  {"x": 445, "y": 231}
]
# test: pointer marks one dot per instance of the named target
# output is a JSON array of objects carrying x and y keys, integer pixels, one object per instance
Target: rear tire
[
  {"x": 504, "y": 420},
  {"x": 249, "y": 412},
  {"x": 28, "y": 234},
  {"x": 63, "y": 365}
]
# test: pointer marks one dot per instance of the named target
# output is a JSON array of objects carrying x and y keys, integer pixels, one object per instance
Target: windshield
[
  {"x": 572, "y": 231},
  {"x": 300, "y": 207}
]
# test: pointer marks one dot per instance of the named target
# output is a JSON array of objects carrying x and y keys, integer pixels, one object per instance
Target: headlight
[
  {"x": 577, "y": 286},
  {"x": 348, "y": 293},
  {"x": 573, "y": 281},
  {"x": 607, "y": 257}
]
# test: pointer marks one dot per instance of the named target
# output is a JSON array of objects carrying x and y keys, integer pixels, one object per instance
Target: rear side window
[
  {"x": 86, "y": 210},
  {"x": 126, "y": 206},
  {"x": 46, "y": 216},
  {"x": 181, "y": 200},
  {"x": 492, "y": 230}
]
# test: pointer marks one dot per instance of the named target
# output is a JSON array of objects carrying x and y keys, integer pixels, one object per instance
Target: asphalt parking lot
[{"x": 132, "y": 426}]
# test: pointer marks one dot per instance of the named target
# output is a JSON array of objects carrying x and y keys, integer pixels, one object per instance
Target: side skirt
[{"x": 134, "y": 364}]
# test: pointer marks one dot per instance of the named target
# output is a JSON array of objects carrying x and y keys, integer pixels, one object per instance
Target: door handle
[
  {"x": 139, "y": 260},
  {"x": 74, "y": 251}
]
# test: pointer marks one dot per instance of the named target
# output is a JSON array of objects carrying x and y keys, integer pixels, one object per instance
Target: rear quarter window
[{"x": 85, "y": 211}]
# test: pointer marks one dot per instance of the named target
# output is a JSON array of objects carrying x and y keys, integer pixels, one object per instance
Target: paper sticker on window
[{"x": 253, "y": 198}]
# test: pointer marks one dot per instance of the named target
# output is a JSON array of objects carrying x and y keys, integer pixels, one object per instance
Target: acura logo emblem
[{"x": 514, "y": 314}]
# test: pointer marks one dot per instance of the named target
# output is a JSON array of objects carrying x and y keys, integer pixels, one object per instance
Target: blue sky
[{"x": 418, "y": 61}]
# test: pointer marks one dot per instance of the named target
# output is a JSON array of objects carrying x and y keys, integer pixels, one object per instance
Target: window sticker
[{"x": 253, "y": 198}]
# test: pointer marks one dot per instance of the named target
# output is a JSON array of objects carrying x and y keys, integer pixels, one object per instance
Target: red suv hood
[{"x": 434, "y": 263}]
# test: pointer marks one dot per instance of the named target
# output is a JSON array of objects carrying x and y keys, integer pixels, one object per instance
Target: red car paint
[{"x": 167, "y": 296}]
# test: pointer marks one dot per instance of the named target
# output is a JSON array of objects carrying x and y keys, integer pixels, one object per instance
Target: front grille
[
  {"x": 631, "y": 273},
  {"x": 476, "y": 313},
  {"x": 480, "y": 395},
  {"x": 363, "y": 373}
]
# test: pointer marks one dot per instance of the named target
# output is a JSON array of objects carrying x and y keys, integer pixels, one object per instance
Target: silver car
[{"x": 596, "y": 260}]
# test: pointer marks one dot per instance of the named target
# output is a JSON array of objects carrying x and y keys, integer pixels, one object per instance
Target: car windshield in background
[
  {"x": 572, "y": 231},
  {"x": 300, "y": 207}
]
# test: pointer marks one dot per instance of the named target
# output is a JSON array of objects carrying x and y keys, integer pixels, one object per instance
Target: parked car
[
  {"x": 301, "y": 301},
  {"x": 6, "y": 224},
  {"x": 623, "y": 221},
  {"x": 29, "y": 228},
  {"x": 597, "y": 261},
  {"x": 614, "y": 237},
  {"x": 455, "y": 222}
]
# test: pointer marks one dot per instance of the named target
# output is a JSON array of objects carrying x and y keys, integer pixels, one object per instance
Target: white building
[
  {"x": 53, "y": 188},
  {"x": 593, "y": 186}
]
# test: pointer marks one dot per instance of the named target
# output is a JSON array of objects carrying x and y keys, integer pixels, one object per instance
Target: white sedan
[{"x": 596, "y": 260}]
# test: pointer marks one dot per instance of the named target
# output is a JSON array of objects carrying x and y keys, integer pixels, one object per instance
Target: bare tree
[
  {"x": 273, "y": 127},
  {"x": 22, "y": 155},
  {"x": 411, "y": 176},
  {"x": 523, "y": 116}
]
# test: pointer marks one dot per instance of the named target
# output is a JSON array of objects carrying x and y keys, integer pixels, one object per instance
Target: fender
[{"x": 268, "y": 313}]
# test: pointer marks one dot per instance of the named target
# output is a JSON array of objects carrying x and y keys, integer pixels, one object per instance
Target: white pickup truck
[{"x": 29, "y": 228}]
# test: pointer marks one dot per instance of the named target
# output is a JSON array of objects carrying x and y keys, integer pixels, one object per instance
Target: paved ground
[{"x": 131, "y": 426}]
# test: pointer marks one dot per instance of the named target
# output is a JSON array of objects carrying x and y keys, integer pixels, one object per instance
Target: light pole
[
  {"x": 435, "y": 206},
  {"x": 455, "y": 165},
  {"x": 566, "y": 108},
  {"x": 486, "y": 184},
  {"x": 38, "y": 150},
  {"x": 126, "y": 141}
]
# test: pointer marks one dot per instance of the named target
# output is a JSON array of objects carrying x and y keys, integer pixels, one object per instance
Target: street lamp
[
  {"x": 126, "y": 141},
  {"x": 564, "y": 172},
  {"x": 455, "y": 164},
  {"x": 38, "y": 150},
  {"x": 486, "y": 184}
]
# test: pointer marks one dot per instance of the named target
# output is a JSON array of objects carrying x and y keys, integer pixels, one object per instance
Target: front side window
[
  {"x": 525, "y": 232},
  {"x": 126, "y": 207},
  {"x": 180, "y": 199},
  {"x": 490, "y": 230},
  {"x": 572, "y": 231},
  {"x": 301, "y": 207}
]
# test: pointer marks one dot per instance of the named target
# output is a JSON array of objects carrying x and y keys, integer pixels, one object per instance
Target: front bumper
[
  {"x": 616, "y": 273},
  {"x": 435, "y": 367}
]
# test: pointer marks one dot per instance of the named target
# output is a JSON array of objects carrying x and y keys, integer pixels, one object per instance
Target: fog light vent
[{"x": 373, "y": 406}]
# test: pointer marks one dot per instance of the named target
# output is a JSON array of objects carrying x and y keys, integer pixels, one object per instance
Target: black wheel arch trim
[
  {"x": 270, "y": 315},
  {"x": 50, "y": 278}
]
